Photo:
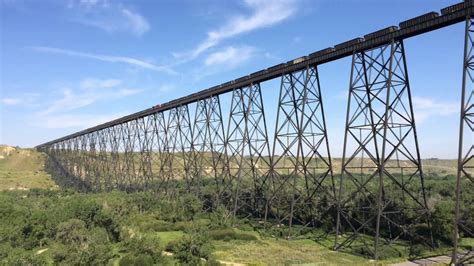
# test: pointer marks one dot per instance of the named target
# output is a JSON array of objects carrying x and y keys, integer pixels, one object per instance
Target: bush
[
  {"x": 26, "y": 259},
  {"x": 221, "y": 217},
  {"x": 93, "y": 255},
  {"x": 415, "y": 251},
  {"x": 138, "y": 260},
  {"x": 442, "y": 221},
  {"x": 172, "y": 245},
  {"x": 145, "y": 245},
  {"x": 72, "y": 232},
  {"x": 151, "y": 224},
  {"x": 192, "y": 247},
  {"x": 229, "y": 234}
]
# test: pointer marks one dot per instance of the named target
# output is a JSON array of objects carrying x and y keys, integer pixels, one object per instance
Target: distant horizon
[{"x": 333, "y": 158}]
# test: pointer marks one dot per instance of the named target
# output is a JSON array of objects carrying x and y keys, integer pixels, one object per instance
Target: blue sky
[{"x": 71, "y": 64}]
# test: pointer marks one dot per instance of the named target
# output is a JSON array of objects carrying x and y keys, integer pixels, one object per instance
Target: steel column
[
  {"x": 381, "y": 191},
  {"x": 464, "y": 179},
  {"x": 301, "y": 159},
  {"x": 247, "y": 152}
]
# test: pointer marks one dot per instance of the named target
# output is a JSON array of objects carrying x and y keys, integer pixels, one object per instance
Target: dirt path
[
  {"x": 426, "y": 261},
  {"x": 228, "y": 263}
]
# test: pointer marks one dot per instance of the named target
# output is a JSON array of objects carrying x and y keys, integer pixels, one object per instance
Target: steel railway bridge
[{"x": 288, "y": 180}]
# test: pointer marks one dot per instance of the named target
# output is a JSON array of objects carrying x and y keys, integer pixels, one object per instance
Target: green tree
[{"x": 192, "y": 247}]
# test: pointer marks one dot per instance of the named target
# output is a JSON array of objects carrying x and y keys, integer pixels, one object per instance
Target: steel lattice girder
[
  {"x": 247, "y": 151},
  {"x": 380, "y": 151},
  {"x": 301, "y": 159},
  {"x": 465, "y": 178},
  {"x": 209, "y": 149}
]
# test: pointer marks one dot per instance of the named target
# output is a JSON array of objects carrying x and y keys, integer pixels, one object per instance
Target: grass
[
  {"x": 22, "y": 169},
  {"x": 282, "y": 252},
  {"x": 168, "y": 236}
]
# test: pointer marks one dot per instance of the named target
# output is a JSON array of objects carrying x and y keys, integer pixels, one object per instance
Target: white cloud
[
  {"x": 99, "y": 83},
  {"x": 138, "y": 23},
  {"x": 73, "y": 120},
  {"x": 264, "y": 13},
  {"x": 21, "y": 99},
  {"x": 230, "y": 56},
  {"x": 106, "y": 58},
  {"x": 108, "y": 16},
  {"x": 89, "y": 92},
  {"x": 11, "y": 101},
  {"x": 166, "y": 88},
  {"x": 426, "y": 108}
]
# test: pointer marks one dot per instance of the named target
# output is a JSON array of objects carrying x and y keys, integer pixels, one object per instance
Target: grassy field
[{"x": 22, "y": 169}]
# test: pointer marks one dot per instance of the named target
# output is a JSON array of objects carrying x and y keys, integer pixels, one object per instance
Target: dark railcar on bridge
[
  {"x": 241, "y": 79},
  {"x": 349, "y": 43},
  {"x": 420, "y": 19},
  {"x": 227, "y": 83},
  {"x": 381, "y": 32},
  {"x": 211, "y": 89},
  {"x": 322, "y": 52},
  {"x": 276, "y": 67},
  {"x": 296, "y": 61},
  {"x": 258, "y": 73},
  {"x": 456, "y": 7}
]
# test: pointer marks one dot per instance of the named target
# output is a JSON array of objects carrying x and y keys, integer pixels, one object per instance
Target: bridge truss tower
[
  {"x": 381, "y": 189},
  {"x": 209, "y": 149},
  {"x": 247, "y": 153},
  {"x": 302, "y": 183},
  {"x": 464, "y": 226}
]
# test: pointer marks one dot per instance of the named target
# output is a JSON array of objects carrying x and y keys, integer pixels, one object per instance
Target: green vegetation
[
  {"x": 47, "y": 226},
  {"x": 22, "y": 169}
]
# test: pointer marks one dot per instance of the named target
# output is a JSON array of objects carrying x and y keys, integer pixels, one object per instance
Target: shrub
[
  {"x": 26, "y": 259},
  {"x": 72, "y": 232},
  {"x": 415, "y": 251},
  {"x": 221, "y": 217},
  {"x": 442, "y": 221},
  {"x": 192, "y": 247},
  {"x": 172, "y": 245},
  {"x": 136, "y": 260},
  {"x": 145, "y": 245},
  {"x": 229, "y": 234}
]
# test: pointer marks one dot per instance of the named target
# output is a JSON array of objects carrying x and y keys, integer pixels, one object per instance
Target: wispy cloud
[
  {"x": 89, "y": 92},
  {"x": 108, "y": 16},
  {"x": 105, "y": 58},
  {"x": 426, "y": 108},
  {"x": 73, "y": 120},
  {"x": 264, "y": 13},
  {"x": 230, "y": 56},
  {"x": 99, "y": 83},
  {"x": 11, "y": 101},
  {"x": 21, "y": 99},
  {"x": 166, "y": 87},
  {"x": 224, "y": 60}
]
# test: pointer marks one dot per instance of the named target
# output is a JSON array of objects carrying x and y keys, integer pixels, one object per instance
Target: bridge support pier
[
  {"x": 465, "y": 179},
  {"x": 209, "y": 149},
  {"x": 247, "y": 153},
  {"x": 180, "y": 136},
  {"x": 302, "y": 184},
  {"x": 381, "y": 189}
]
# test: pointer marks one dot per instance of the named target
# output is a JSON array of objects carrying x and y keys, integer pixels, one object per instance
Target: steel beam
[
  {"x": 381, "y": 184},
  {"x": 302, "y": 184},
  {"x": 209, "y": 149},
  {"x": 247, "y": 149},
  {"x": 463, "y": 226}
]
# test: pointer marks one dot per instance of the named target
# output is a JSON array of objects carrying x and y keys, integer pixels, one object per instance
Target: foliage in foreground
[{"x": 41, "y": 227}]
